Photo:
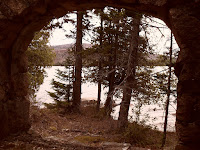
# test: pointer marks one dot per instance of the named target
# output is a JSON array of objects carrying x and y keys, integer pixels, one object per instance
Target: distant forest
[{"x": 61, "y": 52}]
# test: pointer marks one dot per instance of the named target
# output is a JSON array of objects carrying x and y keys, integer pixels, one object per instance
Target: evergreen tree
[
  {"x": 68, "y": 88},
  {"x": 62, "y": 87},
  {"x": 40, "y": 55},
  {"x": 114, "y": 52}
]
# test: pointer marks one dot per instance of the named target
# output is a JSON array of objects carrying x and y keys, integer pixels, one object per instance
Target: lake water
[{"x": 154, "y": 114}]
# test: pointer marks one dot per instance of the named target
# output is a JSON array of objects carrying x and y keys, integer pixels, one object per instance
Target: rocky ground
[{"x": 52, "y": 131}]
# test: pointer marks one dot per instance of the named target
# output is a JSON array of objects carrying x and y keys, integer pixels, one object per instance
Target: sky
[
  {"x": 58, "y": 35},
  {"x": 158, "y": 37}
]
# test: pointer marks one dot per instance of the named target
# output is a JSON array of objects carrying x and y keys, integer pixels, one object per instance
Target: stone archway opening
[
  {"x": 94, "y": 94},
  {"x": 52, "y": 121},
  {"x": 19, "y": 20}
]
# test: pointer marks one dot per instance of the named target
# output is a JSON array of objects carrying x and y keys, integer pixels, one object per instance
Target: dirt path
[{"x": 52, "y": 131}]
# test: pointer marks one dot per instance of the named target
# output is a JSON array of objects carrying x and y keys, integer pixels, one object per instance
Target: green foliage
[
  {"x": 161, "y": 79},
  {"x": 162, "y": 60},
  {"x": 40, "y": 55},
  {"x": 63, "y": 87},
  {"x": 61, "y": 90},
  {"x": 118, "y": 24}
]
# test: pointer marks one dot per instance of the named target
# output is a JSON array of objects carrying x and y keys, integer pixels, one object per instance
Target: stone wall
[{"x": 19, "y": 19}]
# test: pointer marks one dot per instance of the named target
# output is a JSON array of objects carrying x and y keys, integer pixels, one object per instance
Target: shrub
[
  {"x": 142, "y": 135},
  {"x": 62, "y": 107},
  {"x": 137, "y": 134}
]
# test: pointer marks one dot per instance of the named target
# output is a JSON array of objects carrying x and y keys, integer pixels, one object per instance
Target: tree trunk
[
  {"x": 78, "y": 64},
  {"x": 168, "y": 93},
  {"x": 130, "y": 73},
  {"x": 124, "y": 108},
  {"x": 99, "y": 63},
  {"x": 109, "y": 100}
]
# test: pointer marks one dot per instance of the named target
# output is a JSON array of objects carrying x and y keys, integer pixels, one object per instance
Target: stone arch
[{"x": 19, "y": 19}]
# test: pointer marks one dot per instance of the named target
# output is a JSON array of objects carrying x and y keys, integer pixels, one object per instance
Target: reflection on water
[{"x": 152, "y": 113}]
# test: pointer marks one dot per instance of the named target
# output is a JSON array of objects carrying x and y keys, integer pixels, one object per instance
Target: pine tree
[
  {"x": 62, "y": 87},
  {"x": 114, "y": 52},
  {"x": 78, "y": 64},
  {"x": 113, "y": 41},
  {"x": 129, "y": 80},
  {"x": 68, "y": 89}
]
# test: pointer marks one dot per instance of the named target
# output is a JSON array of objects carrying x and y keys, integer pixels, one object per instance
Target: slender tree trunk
[
  {"x": 130, "y": 73},
  {"x": 168, "y": 93},
  {"x": 139, "y": 112},
  {"x": 109, "y": 100},
  {"x": 99, "y": 89},
  {"x": 78, "y": 64},
  {"x": 124, "y": 108},
  {"x": 100, "y": 65},
  {"x": 111, "y": 76}
]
